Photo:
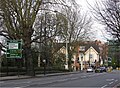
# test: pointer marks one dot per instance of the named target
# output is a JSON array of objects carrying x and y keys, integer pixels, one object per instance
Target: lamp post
[
  {"x": 66, "y": 63},
  {"x": 89, "y": 57},
  {"x": 81, "y": 61},
  {"x": 44, "y": 61}
]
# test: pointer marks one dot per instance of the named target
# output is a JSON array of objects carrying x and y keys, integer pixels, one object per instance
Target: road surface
[{"x": 99, "y": 80}]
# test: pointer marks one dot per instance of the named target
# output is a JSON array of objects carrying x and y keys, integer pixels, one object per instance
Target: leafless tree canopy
[
  {"x": 108, "y": 13},
  {"x": 40, "y": 21}
]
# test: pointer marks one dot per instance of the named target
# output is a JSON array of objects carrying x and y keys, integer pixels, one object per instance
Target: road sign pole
[{"x": 14, "y": 49}]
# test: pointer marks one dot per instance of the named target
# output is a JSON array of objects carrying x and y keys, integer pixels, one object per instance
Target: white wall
[{"x": 94, "y": 54}]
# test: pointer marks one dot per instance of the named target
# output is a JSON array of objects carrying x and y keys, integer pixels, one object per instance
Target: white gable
[
  {"x": 91, "y": 54},
  {"x": 91, "y": 49}
]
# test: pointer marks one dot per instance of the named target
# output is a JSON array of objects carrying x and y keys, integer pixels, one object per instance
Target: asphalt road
[{"x": 101, "y": 80}]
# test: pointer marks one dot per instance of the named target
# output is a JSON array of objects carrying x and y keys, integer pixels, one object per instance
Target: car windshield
[
  {"x": 102, "y": 67},
  {"x": 90, "y": 68}
]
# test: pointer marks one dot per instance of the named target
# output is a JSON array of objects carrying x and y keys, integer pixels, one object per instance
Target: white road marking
[
  {"x": 110, "y": 82},
  {"x": 74, "y": 78},
  {"x": 110, "y": 79},
  {"x": 83, "y": 76},
  {"x": 104, "y": 86},
  {"x": 116, "y": 80},
  {"x": 63, "y": 80}
]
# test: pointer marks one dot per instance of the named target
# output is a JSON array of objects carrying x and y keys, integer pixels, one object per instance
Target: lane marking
[
  {"x": 83, "y": 76},
  {"x": 110, "y": 82},
  {"x": 104, "y": 86},
  {"x": 116, "y": 80},
  {"x": 74, "y": 78},
  {"x": 62, "y": 80},
  {"x": 110, "y": 79}
]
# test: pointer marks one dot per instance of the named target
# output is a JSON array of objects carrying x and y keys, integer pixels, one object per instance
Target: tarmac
[{"x": 5, "y": 78}]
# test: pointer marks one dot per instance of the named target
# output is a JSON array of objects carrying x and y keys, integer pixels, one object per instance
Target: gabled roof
[
  {"x": 96, "y": 47},
  {"x": 58, "y": 46},
  {"x": 92, "y": 49},
  {"x": 88, "y": 45}
]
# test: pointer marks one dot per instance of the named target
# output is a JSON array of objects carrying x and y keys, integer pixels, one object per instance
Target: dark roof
[
  {"x": 89, "y": 44},
  {"x": 96, "y": 47},
  {"x": 58, "y": 46}
]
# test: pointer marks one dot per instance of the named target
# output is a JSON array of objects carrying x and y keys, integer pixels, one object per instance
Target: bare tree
[
  {"x": 76, "y": 28},
  {"x": 56, "y": 24},
  {"x": 18, "y": 18},
  {"x": 108, "y": 13}
]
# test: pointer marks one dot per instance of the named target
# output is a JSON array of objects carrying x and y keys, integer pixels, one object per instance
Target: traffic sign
[{"x": 14, "y": 49}]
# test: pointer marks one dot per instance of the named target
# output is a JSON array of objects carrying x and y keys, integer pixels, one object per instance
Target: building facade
[{"x": 88, "y": 53}]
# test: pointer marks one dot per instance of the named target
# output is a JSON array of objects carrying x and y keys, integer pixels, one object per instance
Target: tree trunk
[
  {"x": 28, "y": 53},
  {"x": 29, "y": 61},
  {"x": 69, "y": 59}
]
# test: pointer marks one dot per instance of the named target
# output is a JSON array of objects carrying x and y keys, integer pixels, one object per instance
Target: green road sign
[{"x": 14, "y": 49}]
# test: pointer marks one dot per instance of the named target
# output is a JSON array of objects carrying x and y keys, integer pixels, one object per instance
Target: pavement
[{"x": 36, "y": 76}]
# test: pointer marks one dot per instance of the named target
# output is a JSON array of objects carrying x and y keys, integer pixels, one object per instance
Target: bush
[
  {"x": 38, "y": 70},
  {"x": 12, "y": 69}
]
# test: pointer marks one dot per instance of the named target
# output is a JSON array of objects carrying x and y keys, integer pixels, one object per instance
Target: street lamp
[
  {"x": 81, "y": 61},
  {"x": 44, "y": 61},
  {"x": 89, "y": 56},
  {"x": 66, "y": 63}
]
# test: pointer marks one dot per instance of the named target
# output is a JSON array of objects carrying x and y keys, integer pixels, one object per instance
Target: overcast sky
[{"x": 97, "y": 28}]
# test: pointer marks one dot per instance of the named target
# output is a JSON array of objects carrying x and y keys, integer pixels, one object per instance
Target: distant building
[{"x": 87, "y": 53}]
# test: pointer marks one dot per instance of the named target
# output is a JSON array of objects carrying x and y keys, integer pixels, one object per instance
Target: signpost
[{"x": 14, "y": 49}]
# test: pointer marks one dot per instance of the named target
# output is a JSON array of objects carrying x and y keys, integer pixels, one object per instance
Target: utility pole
[
  {"x": 89, "y": 57},
  {"x": 66, "y": 64}
]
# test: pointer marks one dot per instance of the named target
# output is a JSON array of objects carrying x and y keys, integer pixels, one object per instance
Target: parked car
[
  {"x": 89, "y": 69},
  {"x": 103, "y": 69},
  {"x": 98, "y": 70}
]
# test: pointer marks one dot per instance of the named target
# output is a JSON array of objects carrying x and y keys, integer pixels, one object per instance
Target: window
[{"x": 82, "y": 48}]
